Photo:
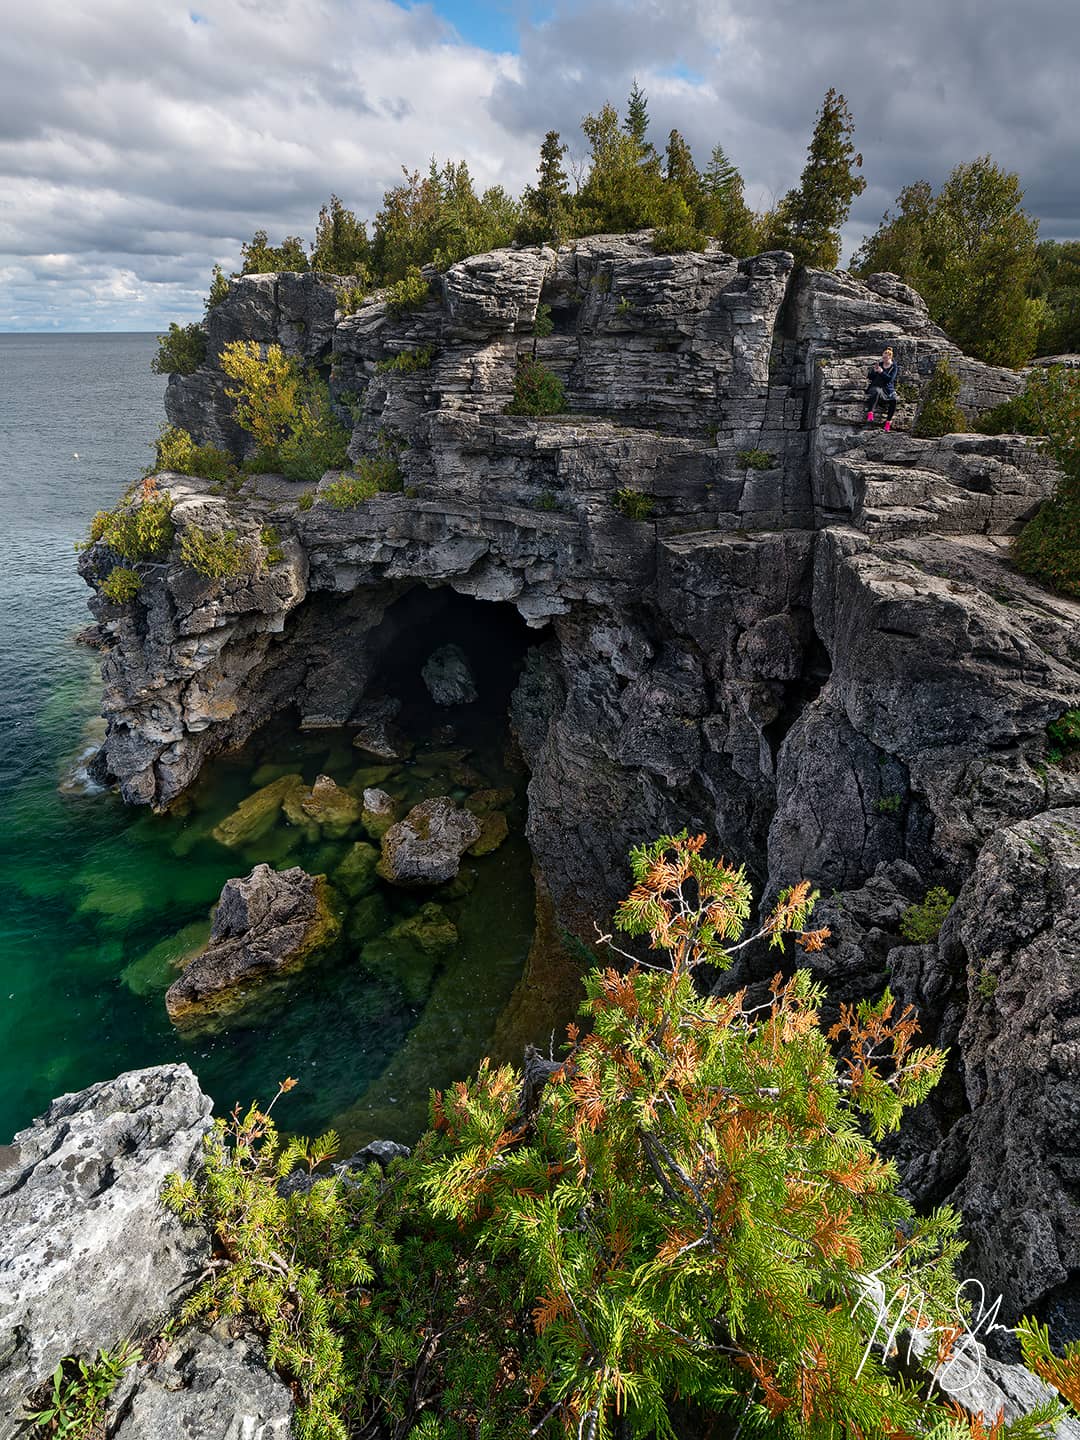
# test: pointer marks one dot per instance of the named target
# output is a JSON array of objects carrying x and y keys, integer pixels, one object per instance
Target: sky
[{"x": 141, "y": 141}]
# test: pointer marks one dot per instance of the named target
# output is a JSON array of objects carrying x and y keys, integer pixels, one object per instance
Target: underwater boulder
[
  {"x": 256, "y": 815},
  {"x": 447, "y": 675},
  {"x": 426, "y": 847},
  {"x": 269, "y": 921},
  {"x": 355, "y": 876},
  {"x": 493, "y": 831},
  {"x": 376, "y": 732},
  {"x": 411, "y": 951},
  {"x": 331, "y": 807}
]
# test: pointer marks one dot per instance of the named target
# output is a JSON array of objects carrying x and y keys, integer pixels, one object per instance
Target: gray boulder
[
  {"x": 426, "y": 847},
  {"x": 375, "y": 730},
  {"x": 88, "y": 1254},
  {"x": 448, "y": 677},
  {"x": 264, "y": 923},
  {"x": 210, "y": 1386}
]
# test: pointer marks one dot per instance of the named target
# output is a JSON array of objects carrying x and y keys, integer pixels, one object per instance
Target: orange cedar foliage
[
  {"x": 977, "y": 1424},
  {"x": 1063, "y": 1374},
  {"x": 548, "y": 1309},
  {"x": 774, "y": 1400}
]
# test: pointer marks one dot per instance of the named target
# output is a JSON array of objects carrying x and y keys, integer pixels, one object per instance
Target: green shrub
[
  {"x": 939, "y": 414},
  {"x": 686, "y": 1210},
  {"x": 921, "y": 924},
  {"x": 215, "y": 554},
  {"x": 139, "y": 529},
  {"x": 888, "y": 805},
  {"x": 350, "y": 297},
  {"x": 287, "y": 409},
  {"x": 270, "y": 538},
  {"x": 181, "y": 350},
  {"x": 536, "y": 391},
  {"x": 1048, "y": 547},
  {"x": 543, "y": 325},
  {"x": 634, "y": 504},
  {"x": 306, "y": 500},
  {"x": 1064, "y": 736},
  {"x": 678, "y": 238},
  {"x": 373, "y": 475},
  {"x": 986, "y": 985},
  {"x": 175, "y": 450},
  {"x": 408, "y": 293},
  {"x": 121, "y": 585},
  {"x": 77, "y": 1398},
  {"x": 755, "y": 460},
  {"x": 406, "y": 361}
]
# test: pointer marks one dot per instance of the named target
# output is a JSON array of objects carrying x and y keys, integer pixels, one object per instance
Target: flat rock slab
[
  {"x": 426, "y": 847},
  {"x": 87, "y": 1251},
  {"x": 210, "y": 1386},
  {"x": 269, "y": 921}
]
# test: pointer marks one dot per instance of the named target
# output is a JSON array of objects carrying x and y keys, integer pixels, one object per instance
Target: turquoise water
[{"x": 99, "y": 901}]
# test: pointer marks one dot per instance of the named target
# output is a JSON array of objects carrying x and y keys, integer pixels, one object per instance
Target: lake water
[{"x": 99, "y": 900}]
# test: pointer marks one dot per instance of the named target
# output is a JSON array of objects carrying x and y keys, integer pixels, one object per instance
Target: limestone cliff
[{"x": 813, "y": 648}]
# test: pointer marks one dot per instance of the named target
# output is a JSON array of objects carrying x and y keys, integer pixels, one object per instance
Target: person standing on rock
[{"x": 881, "y": 389}]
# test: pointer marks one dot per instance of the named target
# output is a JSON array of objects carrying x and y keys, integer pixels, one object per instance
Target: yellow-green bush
[
  {"x": 175, "y": 450},
  {"x": 215, "y": 554},
  {"x": 121, "y": 585},
  {"x": 136, "y": 529},
  {"x": 286, "y": 409}
]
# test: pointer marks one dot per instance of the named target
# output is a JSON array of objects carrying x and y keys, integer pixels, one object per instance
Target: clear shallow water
[{"x": 97, "y": 900}]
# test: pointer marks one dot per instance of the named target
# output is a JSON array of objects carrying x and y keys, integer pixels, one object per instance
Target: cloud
[{"x": 143, "y": 140}]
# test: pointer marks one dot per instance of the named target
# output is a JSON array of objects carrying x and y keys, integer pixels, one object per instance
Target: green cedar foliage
[
  {"x": 545, "y": 207},
  {"x": 219, "y": 288},
  {"x": 808, "y": 220},
  {"x": 1048, "y": 547},
  {"x": 1056, "y": 282},
  {"x": 259, "y": 257},
  {"x": 139, "y": 528},
  {"x": 175, "y": 450},
  {"x": 921, "y": 924},
  {"x": 687, "y": 1207},
  {"x": 938, "y": 412},
  {"x": 536, "y": 390},
  {"x": 371, "y": 475},
  {"x": 970, "y": 252},
  {"x": 181, "y": 350},
  {"x": 624, "y": 187},
  {"x": 215, "y": 554},
  {"x": 341, "y": 245},
  {"x": 438, "y": 219}
]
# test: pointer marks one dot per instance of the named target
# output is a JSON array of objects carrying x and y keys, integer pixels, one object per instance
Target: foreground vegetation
[{"x": 685, "y": 1217}]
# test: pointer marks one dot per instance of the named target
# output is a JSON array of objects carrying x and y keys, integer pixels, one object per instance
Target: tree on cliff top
[
  {"x": 970, "y": 251},
  {"x": 341, "y": 245},
  {"x": 807, "y": 221},
  {"x": 438, "y": 219},
  {"x": 262, "y": 258},
  {"x": 545, "y": 206}
]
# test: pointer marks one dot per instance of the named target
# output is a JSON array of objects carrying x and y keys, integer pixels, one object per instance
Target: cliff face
[{"x": 826, "y": 662}]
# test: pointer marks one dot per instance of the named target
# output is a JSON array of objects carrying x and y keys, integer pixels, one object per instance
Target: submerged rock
[
  {"x": 331, "y": 807},
  {"x": 88, "y": 1253},
  {"x": 411, "y": 950},
  {"x": 493, "y": 831},
  {"x": 255, "y": 816},
  {"x": 426, "y": 847},
  {"x": 447, "y": 675},
  {"x": 267, "y": 922},
  {"x": 355, "y": 876},
  {"x": 378, "y": 812}
]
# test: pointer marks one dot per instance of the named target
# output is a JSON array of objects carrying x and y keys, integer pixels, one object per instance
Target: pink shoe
[
  {"x": 888, "y": 424},
  {"x": 869, "y": 415}
]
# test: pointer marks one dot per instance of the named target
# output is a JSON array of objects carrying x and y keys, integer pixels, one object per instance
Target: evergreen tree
[
  {"x": 807, "y": 221},
  {"x": 1056, "y": 281},
  {"x": 636, "y": 123},
  {"x": 259, "y": 257},
  {"x": 970, "y": 250},
  {"x": 725, "y": 213},
  {"x": 438, "y": 219},
  {"x": 681, "y": 172},
  {"x": 341, "y": 245},
  {"x": 624, "y": 189},
  {"x": 545, "y": 206}
]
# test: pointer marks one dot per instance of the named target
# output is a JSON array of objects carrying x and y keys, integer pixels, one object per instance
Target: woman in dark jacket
[{"x": 881, "y": 387}]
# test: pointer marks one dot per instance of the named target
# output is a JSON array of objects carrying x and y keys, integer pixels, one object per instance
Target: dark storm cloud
[{"x": 142, "y": 140}]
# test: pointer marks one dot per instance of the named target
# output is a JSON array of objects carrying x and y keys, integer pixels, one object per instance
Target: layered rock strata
[{"x": 813, "y": 647}]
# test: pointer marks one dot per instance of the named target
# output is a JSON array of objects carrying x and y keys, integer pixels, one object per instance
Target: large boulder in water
[
  {"x": 334, "y": 809},
  {"x": 448, "y": 678},
  {"x": 426, "y": 847},
  {"x": 88, "y": 1253},
  {"x": 265, "y": 923}
]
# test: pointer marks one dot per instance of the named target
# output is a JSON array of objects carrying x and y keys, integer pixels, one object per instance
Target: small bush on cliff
[
  {"x": 408, "y": 293},
  {"x": 373, "y": 475},
  {"x": 633, "y": 504},
  {"x": 1064, "y": 736},
  {"x": 139, "y": 529},
  {"x": 175, "y": 450},
  {"x": 939, "y": 414},
  {"x": 215, "y": 554},
  {"x": 78, "y": 1394},
  {"x": 121, "y": 585},
  {"x": 921, "y": 924},
  {"x": 536, "y": 391},
  {"x": 286, "y": 409},
  {"x": 687, "y": 1207},
  {"x": 406, "y": 361},
  {"x": 181, "y": 350}
]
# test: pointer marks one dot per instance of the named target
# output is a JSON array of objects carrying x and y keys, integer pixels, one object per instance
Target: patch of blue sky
[
  {"x": 490, "y": 26},
  {"x": 679, "y": 71}
]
